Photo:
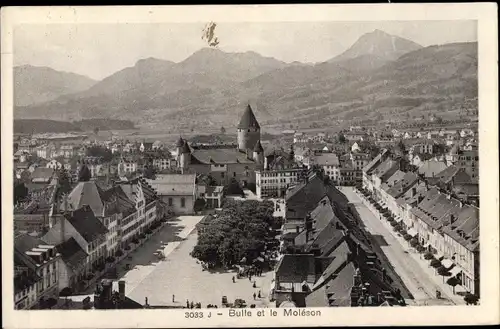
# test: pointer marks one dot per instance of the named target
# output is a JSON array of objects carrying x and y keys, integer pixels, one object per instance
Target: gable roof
[
  {"x": 326, "y": 159},
  {"x": 431, "y": 168},
  {"x": 296, "y": 268},
  {"x": 72, "y": 254},
  {"x": 86, "y": 193},
  {"x": 86, "y": 224},
  {"x": 42, "y": 174},
  {"x": 303, "y": 198},
  {"x": 453, "y": 173},
  {"x": 219, "y": 156},
  {"x": 248, "y": 119},
  {"x": 403, "y": 185}
]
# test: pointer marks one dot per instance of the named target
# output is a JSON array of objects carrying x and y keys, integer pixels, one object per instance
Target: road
[{"x": 416, "y": 279}]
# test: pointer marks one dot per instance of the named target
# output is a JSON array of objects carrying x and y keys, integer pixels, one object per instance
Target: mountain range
[
  {"x": 379, "y": 76},
  {"x": 37, "y": 84}
]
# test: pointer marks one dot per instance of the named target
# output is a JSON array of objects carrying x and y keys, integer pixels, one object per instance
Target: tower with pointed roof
[
  {"x": 248, "y": 131},
  {"x": 258, "y": 153},
  {"x": 178, "y": 147}
]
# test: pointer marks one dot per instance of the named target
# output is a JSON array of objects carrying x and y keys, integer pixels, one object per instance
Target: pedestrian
[
  {"x": 187, "y": 303},
  {"x": 254, "y": 295},
  {"x": 259, "y": 294},
  {"x": 173, "y": 298},
  {"x": 249, "y": 277},
  {"x": 233, "y": 279},
  {"x": 192, "y": 305},
  {"x": 254, "y": 285}
]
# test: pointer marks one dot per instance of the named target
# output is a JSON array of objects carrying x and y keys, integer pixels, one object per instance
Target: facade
[
  {"x": 177, "y": 191},
  {"x": 36, "y": 276},
  {"x": 275, "y": 183}
]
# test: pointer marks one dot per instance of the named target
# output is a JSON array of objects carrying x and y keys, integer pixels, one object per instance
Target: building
[
  {"x": 177, "y": 191},
  {"x": 127, "y": 165},
  {"x": 450, "y": 229},
  {"x": 431, "y": 168},
  {"x": 224, "y": 162},
  {"x": 36, "y": 279},
  {"x": 81, "y": 239},
  {"x": 275, "y": 183}
]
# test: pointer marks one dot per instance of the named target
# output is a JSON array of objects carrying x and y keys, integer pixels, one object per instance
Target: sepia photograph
[{"x": 222, "y": 166}]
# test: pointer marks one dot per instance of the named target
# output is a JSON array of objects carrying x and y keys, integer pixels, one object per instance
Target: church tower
[
  {"x": 248, "y": 131},
  {"x": 185, "y": 158},
  {"x": 178, "y": 148}
]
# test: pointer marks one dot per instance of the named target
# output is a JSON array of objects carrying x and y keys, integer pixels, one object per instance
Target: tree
[
  {"x": 341, "y": 138},
  {"x": 443, "y": 271},
  {"x": 64, "y": 181},
  {"x": 471, "y": 299},
  {"x": 222, "y": 130},
  {"x": 239, "y": 231},
  {"x": 233, "y": 188},
  {"x": 199, "y": 205},
  {"x": 453, "y": 281},
  {"x": 149, "y": 172},
  {"x": 96, "y": 130},
  {"x": 20, "y": 192},
  {"x": 98, "y": 151}
]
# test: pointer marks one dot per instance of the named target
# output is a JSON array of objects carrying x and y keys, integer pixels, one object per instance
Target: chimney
[
  {"x": 452, "y": 219},
  {"x": 121, "y": 290},
  {"x": 297, "y": 229},
  {"x": 413, "y": 191},
  {"x": 448, "y": 196}
]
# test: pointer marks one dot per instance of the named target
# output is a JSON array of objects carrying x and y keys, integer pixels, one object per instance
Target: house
[
  {"x": 329, "y": 162},
  {"x": 22, "y": 156},
  {"x": 294, "y": 278},
  {"x": 177, "y": 191},
  {"x": 146, "y": 146},
  {"x": 36, "y": 279},
  {"x": 430, "y": 168},
  {"x": 355, "y": 135},
  {"x": 417, "y": 159},
  {"x": 127, "y": 165},
  {"x": 157, "y": 145},
  {"x": 213, "y": 196},
  {"x": 67, "y": 151},
  {"x": 450, "y": 230},
  {"x": 54, "y": 164},
  {"x": 81, "y": 239},
  {"x": 275, "y": 183},
  {"x": 450, "y": 177}
]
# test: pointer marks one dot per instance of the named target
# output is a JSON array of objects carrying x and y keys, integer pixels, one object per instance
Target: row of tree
[{"x": 238, "y": 232}]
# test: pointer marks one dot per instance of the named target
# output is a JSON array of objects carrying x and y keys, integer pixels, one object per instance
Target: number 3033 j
[{"x": 195, "y": 315}]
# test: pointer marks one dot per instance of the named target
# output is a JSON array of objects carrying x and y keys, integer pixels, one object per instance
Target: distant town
[{"x": 363, "y": 217}]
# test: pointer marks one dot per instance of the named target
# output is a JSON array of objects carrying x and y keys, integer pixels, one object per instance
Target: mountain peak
[{"x": 380, "y": 44}]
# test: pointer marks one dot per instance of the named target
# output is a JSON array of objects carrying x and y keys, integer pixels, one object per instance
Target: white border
[{"x": 484, "y": 13}]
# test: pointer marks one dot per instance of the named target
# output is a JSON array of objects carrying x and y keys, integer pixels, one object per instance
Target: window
[
  {"x": 234, "y": 173},
  {"x": 222, "y": 175},
  {"x": 183, "y": 202},
  {"x": 170, "y": 201}
]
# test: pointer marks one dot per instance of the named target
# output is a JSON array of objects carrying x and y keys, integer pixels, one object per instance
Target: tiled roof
[
  {"x": 449, "y": 173},
  {"x": 467, "y": 189},
  {"x": 172, "y": 189},
  {"x": 317, "y": 298},
  {"x": 248, "y": 119},
  {"x": 72, "y": 254},
  {"x": 86, "y": 224},
  {"x": 296, "y": 268},
  {"x": 42, "y": 173},
  {"x": 407, "y": 197},
  {"x": 431, "y": 168},
  {"x": 175, "y": 178},
  {"x": 393, "y": 179},
  {"x": 465, "y": 229},
  {"x": 219, "y": 156},
  {"x": 303, "y": 198},
  {"x": 385, "y": 168},
  {"x": 327, "y": 159},
  {"x": 339, "y": 289},
  {"x": 403, "y": 185},
  {"x": 86, "y": 193},
  {"x": 26, "y": 242}
]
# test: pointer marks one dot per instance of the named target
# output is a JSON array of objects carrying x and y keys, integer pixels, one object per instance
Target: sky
[{"x": 99, "y": 50}]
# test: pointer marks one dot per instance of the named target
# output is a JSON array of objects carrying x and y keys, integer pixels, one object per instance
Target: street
[
  {"x": 181, "y": 275},
  {"x": 422, "y": 286}
]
